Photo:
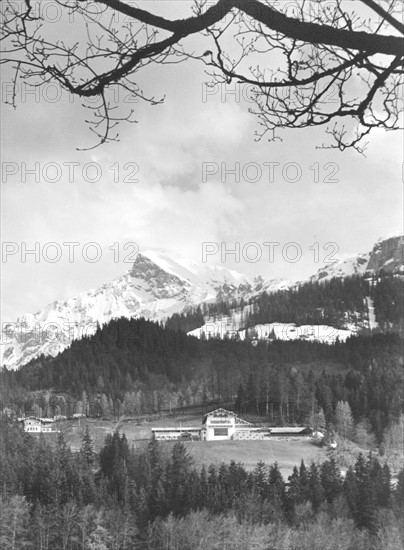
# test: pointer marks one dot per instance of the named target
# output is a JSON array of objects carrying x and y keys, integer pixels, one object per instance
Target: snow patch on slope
[{"x": 221, "y": 329}]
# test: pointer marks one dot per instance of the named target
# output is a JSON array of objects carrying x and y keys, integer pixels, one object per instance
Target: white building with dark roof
[
  {"x": 32, "y": 424},
  {"x": 220, "y": 425}
]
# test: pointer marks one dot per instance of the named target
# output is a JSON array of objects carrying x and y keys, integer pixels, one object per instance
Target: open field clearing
[
  {"x": 286, "y": 453},
  {"x": 134, "y": 430}
]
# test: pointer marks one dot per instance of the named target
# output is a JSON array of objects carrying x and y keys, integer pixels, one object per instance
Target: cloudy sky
[{"x": 164, "y": 186}]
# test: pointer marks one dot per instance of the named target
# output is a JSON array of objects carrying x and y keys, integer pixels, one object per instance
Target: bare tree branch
[
  {"x": 318, "y": 54},
  {"x": 385, "y": 15}
]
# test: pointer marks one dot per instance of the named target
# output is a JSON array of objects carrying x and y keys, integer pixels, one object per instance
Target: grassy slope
[{"x": 286, "y": 453}]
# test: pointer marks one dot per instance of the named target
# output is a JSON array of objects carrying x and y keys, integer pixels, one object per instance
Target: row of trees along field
[
  {"x": 123, "y": 499},
  {"x": 136, "y": 367}
]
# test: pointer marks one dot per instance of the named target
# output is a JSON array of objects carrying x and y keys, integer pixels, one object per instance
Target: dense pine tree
[{"x": 87, "y": 447}]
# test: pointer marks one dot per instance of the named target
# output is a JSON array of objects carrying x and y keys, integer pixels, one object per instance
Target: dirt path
[{"x": 118, "y": 424}]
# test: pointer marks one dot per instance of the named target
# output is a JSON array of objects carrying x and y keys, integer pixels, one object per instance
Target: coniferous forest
[
  {"x": 136, "y": 367},
  {"x": 154, "y": 498}
]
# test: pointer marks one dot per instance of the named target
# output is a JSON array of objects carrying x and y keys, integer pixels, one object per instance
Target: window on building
[{"x": 220, "y": 432}]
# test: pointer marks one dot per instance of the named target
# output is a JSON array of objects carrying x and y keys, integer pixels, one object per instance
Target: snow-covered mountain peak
[
  {"x": 392, "y": 235},
  {"x": 151, "y": 261},
  {"x": 387, "y": 254},
  {"x": 354, "y": 265},
  {"x": 155, "y": 288},
  {"x": 191, "y": 271}
]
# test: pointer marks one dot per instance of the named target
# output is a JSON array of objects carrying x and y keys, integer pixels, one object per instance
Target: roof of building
[
  {"x": 224, "y": 413},
  {"x": 290, "y": 430},
  {"x": 187, "y": 429},
  {"x": 254, "y": 429},
  {"x": 35, "y": 419}
]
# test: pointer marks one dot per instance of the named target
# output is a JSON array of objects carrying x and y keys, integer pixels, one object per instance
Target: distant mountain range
[{"x": 157, "y": 287}]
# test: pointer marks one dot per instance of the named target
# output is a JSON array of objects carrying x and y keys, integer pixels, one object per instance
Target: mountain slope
[
  {"x": 386, "y": 255},
  {"x": 156, "y": 288},
  {"x": 342, "y": 299}
]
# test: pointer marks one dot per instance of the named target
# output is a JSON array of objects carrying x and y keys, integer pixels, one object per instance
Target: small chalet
[{"x": 38, "y": 425}]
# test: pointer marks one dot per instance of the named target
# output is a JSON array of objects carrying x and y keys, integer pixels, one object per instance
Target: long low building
[
  {"x": 172, "y": 434},
  {"x": 292, "y": 431},
  {"x": 222, "y": 425}
]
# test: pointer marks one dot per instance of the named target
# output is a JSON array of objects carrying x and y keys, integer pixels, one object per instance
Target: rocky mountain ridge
[{"x": 155, "y": 288}]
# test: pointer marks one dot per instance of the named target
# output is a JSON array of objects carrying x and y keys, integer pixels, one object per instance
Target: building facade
[
  {"x": 220, "y": 425},
  {"x": 176, "y": 434},
  {"x": 37, "y": 425}
]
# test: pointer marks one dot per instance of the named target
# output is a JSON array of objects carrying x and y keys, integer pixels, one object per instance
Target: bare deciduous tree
[
  {"x": 344, "y": 419},
  {"x": 306, "y": 63}
]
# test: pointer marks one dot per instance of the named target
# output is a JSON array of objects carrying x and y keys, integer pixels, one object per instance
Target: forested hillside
[
  {"x": 331, "y": 303},
  {"x": 388, "y": 295},
  {"x": 136, "y": 367},
  {"x": 338, "y": 302}
]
